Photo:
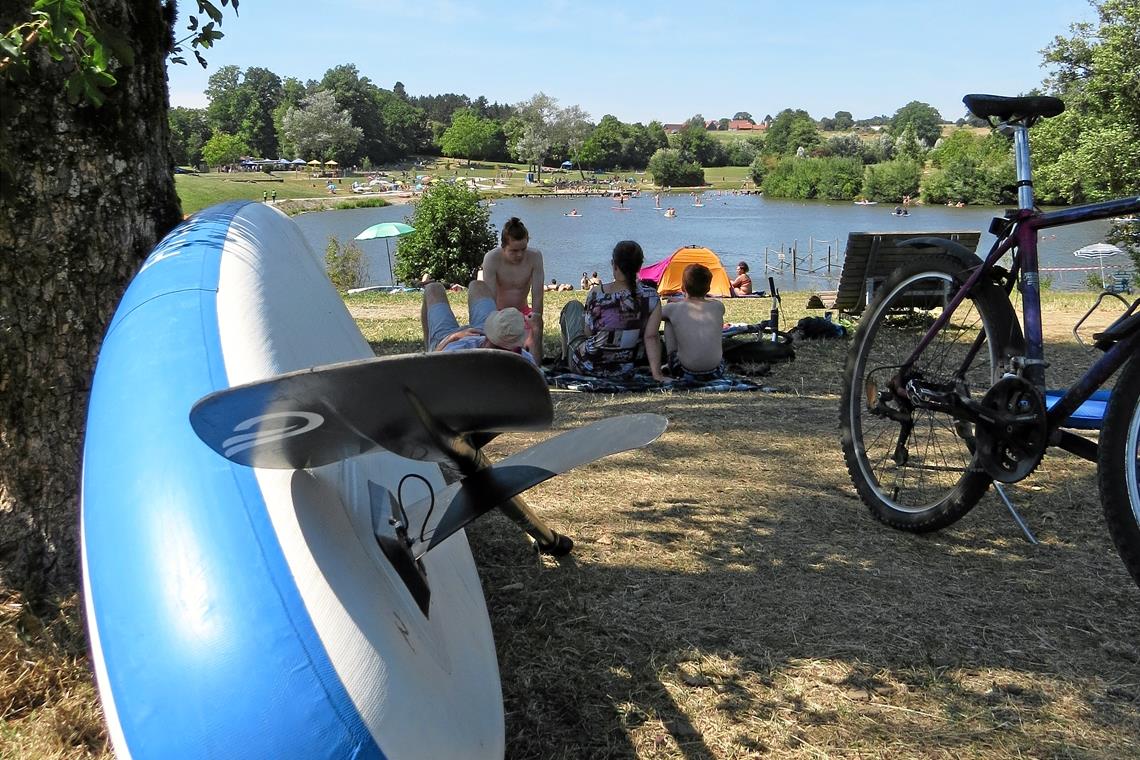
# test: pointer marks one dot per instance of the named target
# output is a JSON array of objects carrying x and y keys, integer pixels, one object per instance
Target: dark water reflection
[{"x": 736, "y": 227}]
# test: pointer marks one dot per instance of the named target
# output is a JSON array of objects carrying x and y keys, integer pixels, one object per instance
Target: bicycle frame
[{"x": 1018, "y": 232}]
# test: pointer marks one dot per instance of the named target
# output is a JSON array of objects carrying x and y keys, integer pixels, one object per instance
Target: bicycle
[{"x": 944, "y": 393}]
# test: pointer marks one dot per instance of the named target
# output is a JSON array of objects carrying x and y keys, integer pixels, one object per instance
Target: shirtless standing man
[{"x": 513, "y": 270}]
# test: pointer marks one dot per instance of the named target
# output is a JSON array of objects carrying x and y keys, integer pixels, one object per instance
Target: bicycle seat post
[{"x": 1021, "y": 159}]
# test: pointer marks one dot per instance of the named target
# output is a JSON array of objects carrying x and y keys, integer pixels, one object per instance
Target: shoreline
[
  {"x": 296, "y": 206},
  {"x": 333, "y": 202}
]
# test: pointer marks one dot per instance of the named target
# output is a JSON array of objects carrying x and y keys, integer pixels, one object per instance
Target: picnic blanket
[{"x": 642, "y": 382}]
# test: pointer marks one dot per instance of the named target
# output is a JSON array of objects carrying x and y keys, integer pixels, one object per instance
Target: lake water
[{"x": 737, "y": 227}]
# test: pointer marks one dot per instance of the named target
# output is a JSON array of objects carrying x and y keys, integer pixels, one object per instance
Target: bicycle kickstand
[{"x": 1013, "y": 511}]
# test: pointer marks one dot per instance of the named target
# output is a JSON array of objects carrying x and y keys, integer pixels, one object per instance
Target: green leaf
[
  {"x": 10, "y": 47},
  {"x": 54, "y": 9},
  {"x": 74, "y": 88},
  {"x": 98, "y": 58},
  {"x": 93, "y": 94},
  {"x": 210, "y": 10},
  {"x": 193, "y": 24},
  {"x": 119, "y": 46}
]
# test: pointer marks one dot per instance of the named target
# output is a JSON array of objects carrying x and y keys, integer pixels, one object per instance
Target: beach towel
[{"x": 560, "y": 377}]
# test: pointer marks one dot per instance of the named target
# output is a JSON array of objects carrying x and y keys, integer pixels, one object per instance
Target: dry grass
[
  {"x": 730, "y": 597},
  {"x": 48, "y": 705}
]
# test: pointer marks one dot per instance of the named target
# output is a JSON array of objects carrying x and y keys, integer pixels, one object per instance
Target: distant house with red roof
[
  {"x": 737, "y": 125},
  {"x": 672, "y": 129}
]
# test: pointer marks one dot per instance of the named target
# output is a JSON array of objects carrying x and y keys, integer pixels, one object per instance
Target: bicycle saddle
[{"x": 1030, "y": 108}]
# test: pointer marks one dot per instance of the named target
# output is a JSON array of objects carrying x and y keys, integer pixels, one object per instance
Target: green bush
[
  {"x": 828, "y": 178},
  {"x": 849, "y": 146},
  {"x": 841, "y": 179},
  {"x": 1094, "y": 282},
  {"x": 345, "y": 266},
  {"x": 892, "y": 180},
  {"x": 739, "y": 153},
  {"x": 792, "y": 178},
  {"x": 453, "y": 232},
  {"x": 760, "y": 167},
  {"x": 971, "y": 169},
  {"x": 668, "y": 167},
  {"x": 966, "y": 179}
]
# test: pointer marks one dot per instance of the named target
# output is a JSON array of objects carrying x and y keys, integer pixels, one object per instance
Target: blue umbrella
[{"x": 386, "y": 230}]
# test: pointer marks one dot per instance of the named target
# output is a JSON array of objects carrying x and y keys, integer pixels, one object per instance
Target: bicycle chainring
[{"x": 1009, "y": 452}]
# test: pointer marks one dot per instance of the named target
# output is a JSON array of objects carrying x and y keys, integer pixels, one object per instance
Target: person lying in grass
[{"x": 488, "y": 327}]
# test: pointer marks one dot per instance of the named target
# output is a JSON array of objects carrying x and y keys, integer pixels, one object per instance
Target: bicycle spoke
[{"x": 961, "y": 358}]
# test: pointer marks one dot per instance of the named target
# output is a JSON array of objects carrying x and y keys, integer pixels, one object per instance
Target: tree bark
[{"x": 86, "y": 192}]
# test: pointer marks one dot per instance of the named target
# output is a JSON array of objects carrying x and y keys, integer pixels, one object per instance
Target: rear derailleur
[{"x": 1006, "y": 430}]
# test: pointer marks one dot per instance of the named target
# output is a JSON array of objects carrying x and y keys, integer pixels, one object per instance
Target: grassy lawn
[
  {"x": 726, "y": 136},
  {"x": 202, "y": 190}
]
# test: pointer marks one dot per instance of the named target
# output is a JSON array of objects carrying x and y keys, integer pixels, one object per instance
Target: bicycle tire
[
  {"x": 1118, "y": 469},
  {"x": 947, "y": 482}
]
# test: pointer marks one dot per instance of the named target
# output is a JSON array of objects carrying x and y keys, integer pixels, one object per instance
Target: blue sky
[{"x": 664, "y": 60}]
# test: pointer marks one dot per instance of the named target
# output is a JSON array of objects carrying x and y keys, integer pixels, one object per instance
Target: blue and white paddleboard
[{"x": 244, "y": 612}]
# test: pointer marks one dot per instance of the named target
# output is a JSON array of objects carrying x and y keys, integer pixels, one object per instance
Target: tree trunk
[{"x": 86, "y": 192}]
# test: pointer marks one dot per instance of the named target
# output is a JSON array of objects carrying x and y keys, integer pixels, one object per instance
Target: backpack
[{"x": 811, "y": 328}]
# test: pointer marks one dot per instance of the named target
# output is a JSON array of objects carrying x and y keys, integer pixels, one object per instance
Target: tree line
[{"x": 347, "y": 118}]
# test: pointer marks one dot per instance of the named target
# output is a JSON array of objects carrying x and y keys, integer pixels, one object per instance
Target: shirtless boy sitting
[
  {"x": 512, "y": 271},
  {"x": 693, "y": 328}
]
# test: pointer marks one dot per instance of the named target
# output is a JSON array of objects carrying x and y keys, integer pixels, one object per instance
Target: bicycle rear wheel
[
  {"x": 1118, "y": 466},
  {"x": 914, "y": 467}
]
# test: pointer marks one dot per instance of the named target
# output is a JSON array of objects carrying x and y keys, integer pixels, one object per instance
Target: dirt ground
[{"x": 729, "y": 596}]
